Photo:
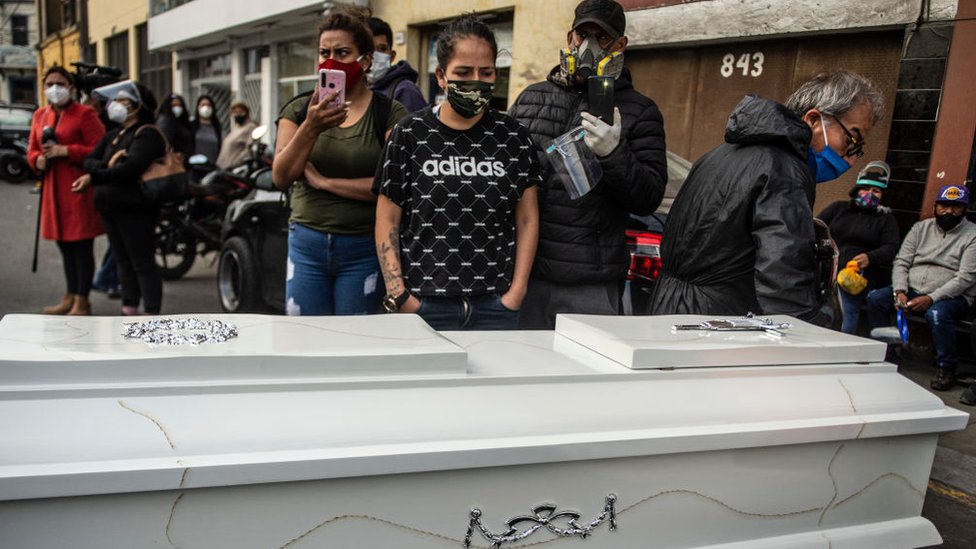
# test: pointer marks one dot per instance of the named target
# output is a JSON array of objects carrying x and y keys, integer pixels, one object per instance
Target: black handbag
[{"x": 165, "y": 180}]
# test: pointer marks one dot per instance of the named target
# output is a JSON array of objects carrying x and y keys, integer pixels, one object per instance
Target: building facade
[
  {"x": 119, "y": 37},
  {"x": 18, "y": 58},
  {"x": 60, "y": 33}
]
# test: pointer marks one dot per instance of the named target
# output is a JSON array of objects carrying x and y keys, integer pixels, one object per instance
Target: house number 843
[{"x": 751, "y": 64}]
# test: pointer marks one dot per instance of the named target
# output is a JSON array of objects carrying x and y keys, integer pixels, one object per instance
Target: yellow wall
[
  {"x": 107, "y": 18},
  {"x": 62, "y": 49},
  {"x": 539, "y": 30}
]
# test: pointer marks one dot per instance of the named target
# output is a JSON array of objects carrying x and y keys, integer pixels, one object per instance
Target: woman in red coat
[{"x": 69, "y": 218}]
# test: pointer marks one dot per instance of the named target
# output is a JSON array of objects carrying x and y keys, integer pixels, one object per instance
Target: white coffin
[{"x": 377, "y": 432}]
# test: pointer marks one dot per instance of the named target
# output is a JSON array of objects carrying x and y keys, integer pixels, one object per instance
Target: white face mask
[
  {"x": 117, "y": 112},
  {"x": 57, "y": 94},
  {"x": 381, "y": 66},
  {"x": 205, "y": 111},
  {"x": 177, "y": 111}
]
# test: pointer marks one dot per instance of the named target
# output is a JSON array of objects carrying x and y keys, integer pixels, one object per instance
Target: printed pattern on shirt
[{"x": 458, "y": 192}]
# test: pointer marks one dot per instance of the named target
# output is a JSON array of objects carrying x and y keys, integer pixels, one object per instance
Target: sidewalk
[{"x": 950, "y": 502}]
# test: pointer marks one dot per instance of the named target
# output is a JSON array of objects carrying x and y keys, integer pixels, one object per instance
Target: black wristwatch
[{"x": 392, "y": 304}]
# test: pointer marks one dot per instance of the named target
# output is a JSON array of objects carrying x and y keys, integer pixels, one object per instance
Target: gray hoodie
[{"x": 941, "y": 265}]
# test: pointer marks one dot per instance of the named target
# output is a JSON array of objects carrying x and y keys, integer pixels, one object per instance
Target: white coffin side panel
[
  {"x": 859, "y": 494},
  {"x": 651, "y": 342}
]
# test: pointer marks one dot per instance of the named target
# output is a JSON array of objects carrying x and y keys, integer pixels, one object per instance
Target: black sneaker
[
  {"x": 944, "y": 380},
  {"x": 968, "y": 396}
]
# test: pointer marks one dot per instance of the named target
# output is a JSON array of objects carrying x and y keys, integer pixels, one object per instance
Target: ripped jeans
[{"x": 331, "y": 274}]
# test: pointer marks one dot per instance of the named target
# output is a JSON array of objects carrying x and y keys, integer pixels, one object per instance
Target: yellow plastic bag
[{"x": 850, "y": 280}]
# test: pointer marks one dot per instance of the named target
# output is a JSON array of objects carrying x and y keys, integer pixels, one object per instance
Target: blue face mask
[{"x": 826, "y": 165}]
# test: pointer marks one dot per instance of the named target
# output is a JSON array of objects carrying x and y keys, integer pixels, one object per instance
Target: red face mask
[{"x": 354, "y": 71}]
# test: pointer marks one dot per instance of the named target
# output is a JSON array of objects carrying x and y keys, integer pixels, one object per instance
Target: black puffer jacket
[
  {"x": 582, "y": 241},
  {"x": 740, "y": 237}
]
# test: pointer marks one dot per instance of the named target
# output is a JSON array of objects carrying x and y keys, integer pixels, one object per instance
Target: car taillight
[{"x": 645, "y": 255}]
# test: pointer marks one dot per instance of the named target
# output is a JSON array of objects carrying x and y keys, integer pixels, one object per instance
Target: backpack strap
[{"x": 380, "y": 108}]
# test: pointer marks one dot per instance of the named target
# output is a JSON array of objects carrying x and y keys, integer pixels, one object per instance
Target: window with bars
[
  {"x": 18, "y": 30},
  {"x": 117, "y": 50},
  {"x": 155, "y": 68}
]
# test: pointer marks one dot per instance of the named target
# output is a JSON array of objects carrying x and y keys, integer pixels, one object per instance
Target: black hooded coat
[{"x": 740, "y": 235}]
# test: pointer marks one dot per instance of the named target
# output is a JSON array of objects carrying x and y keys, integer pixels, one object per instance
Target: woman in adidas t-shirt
[{"x": 457, "y": 220}]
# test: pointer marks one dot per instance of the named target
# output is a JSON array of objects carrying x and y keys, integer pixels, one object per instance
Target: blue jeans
[
  {"x": 941, "y": 317},
  {"x": 483, "y": 312},
  {"x": 850, "y": 306},
  {"x": 107, "y": 277},
  {"x": 331, "y": 274}
]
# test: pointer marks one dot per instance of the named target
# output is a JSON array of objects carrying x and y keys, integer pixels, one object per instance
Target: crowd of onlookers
[
  {"x": 91, "y": 155},
  {"x": 477, "y": 219}
]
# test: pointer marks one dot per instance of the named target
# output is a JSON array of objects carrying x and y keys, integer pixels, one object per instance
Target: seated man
[{"x": 934, "y": 273}]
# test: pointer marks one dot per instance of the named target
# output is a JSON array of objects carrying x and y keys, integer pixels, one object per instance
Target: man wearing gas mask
[{"x": 582, "y": 258}]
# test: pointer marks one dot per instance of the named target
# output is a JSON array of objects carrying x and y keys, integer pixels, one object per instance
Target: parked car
[
  {"x": 254, "y": 254},
  {"x": 15, "y": 125},
  {"x": 644, "y": 240}
]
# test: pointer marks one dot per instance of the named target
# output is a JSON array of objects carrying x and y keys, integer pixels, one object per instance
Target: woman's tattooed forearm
[{"x": 388, "y": 252}]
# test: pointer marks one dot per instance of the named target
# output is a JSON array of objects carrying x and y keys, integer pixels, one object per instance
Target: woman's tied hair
[
  {"x": 836, "y": 92},
  {"x": 355, "y": 21},
  {"x": 463, "y": 27}
]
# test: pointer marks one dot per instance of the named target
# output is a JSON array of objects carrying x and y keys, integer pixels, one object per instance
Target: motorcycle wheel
[
  {"x": 175, "y": 249},
  {"x": 13, "y": 169},
  {"x": 238, "y": 278}
]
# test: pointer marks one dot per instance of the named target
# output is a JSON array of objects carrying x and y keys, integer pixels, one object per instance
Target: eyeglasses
[{"x": 855, "y": 146}]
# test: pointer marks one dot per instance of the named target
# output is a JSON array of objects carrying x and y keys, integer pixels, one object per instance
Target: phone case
[{"x": 330, "y": 81}]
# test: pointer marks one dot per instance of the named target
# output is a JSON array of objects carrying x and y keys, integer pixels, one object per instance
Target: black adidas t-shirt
[{"x": 458, "y": 191}]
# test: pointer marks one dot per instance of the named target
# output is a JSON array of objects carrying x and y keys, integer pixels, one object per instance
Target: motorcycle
[{"x": 192, "y": 227}]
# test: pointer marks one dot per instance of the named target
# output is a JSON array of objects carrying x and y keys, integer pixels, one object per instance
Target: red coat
[{"x": 65, "y": 215}]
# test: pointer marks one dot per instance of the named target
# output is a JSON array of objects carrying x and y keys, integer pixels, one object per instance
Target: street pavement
[
  {"x": 950, "y": 502},
  {"x": 22, "y": 291}
]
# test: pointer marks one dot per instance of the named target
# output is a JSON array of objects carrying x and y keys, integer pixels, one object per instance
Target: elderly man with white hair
[{"x": 740, "y": 236}]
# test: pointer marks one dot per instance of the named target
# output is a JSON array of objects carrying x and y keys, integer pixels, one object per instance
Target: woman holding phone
[
  {"x": 457, "y": 219},
  {"x": 328, "y": 154}
]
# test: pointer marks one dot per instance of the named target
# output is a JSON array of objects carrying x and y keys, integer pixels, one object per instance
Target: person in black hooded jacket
[
  {"x": 740, "y": 235},
  {"x": 114, "y": 169},
  {"x": 582, "y": 259}
]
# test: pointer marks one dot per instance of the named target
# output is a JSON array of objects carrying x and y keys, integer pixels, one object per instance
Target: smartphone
[
  {"x": 332, "y": 81},
  {"x": 599, "y": 91}
]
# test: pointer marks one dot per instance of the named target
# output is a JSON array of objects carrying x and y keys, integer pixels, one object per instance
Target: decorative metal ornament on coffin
[
  {"x": 544, "y": 516},
  {"x": 187, "y": 331},
  {"x": 749, "y": 323}
]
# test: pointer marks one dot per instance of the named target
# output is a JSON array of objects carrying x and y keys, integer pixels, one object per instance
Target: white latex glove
[{"x": 600, "y": 137}]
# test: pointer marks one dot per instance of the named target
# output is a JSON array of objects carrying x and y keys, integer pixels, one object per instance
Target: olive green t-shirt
[{"x": 345, "y": 153}]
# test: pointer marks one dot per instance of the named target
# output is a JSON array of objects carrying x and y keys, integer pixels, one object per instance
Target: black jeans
[
  {"x": 131, "y": 235},
  {"x": 78, "y": 258}
]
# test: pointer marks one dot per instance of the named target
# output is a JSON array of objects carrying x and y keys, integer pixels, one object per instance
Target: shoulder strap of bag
[
  {"x": 380, "y": 108},
  {"x": 161, "y": 134}
]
